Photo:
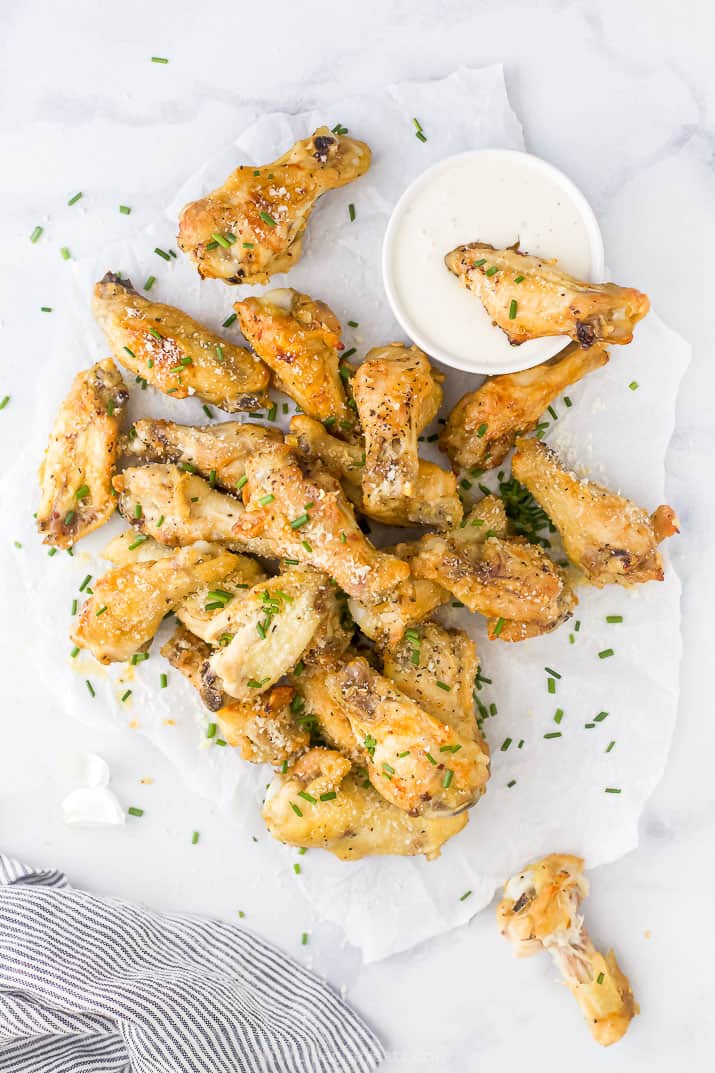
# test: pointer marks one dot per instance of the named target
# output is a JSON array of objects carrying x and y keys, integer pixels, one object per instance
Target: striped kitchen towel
[{"x": 95, "y": 985}]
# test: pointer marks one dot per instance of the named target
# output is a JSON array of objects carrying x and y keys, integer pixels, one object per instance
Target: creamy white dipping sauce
[{"x": 495, "y": 196}]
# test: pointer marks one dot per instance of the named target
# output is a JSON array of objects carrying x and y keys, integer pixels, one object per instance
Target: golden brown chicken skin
[
  {"x": 483, "y": 426},
  {"x": 610, "y": 538},
  {"x": 264, "y": 728},
  {"x": 299, "y": 339},
  {"x": 540, "y": 910},
  {"x": 545, "y": 300},
  {"x": 128, "y": 603},
  {"x": 397, "y": 394},
  {"x": 514, "y": 584},
  {"x": 308, "y": 519},
  {"x": 414, "y": 759},
  {"x": 435, "y": 501},
  {"x": 174, "y": 353},
  {"x": 324, "y": 803},
  {"x": 76, "y": 472},
  {"x": 252, "y": 227},
  {"x": 216, "y": 452}
]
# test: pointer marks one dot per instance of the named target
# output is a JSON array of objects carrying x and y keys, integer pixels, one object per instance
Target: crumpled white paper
[{"x": 558, "y": 799}]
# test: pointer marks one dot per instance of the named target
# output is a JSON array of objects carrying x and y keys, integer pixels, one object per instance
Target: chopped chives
[
  {"x": 510, "y": 784},
  {"x": 589, "y": 726},
  {"x": 505, "y": 744},
  {"x": 633, "y": 385},
  {"x": 430, "y": 757},
  {"x": 296, "y": 868},
  {"x": 162, "y": 253},
  {"x": 447, "y": 779},
  {"x": 265, "y": 500},
  {"x": 73, "y": 200},
  {"x": 101, "y": 611},
  {"x": 211, "y": 246},
  {"x": 421, "y": 135},
  {"x": 163, "y": 681},
  {"x": 492, "y": 271},
  {"x": 614, "y": 618},
  {"x": 498, "y": 627},
  {"x": 247, "y": 245},
  {"x": 352, "y": 324},
  {"x": 74, "y": 607},
  {"x": 609, "y": 746},
  {"x": 220, "y": 741},
  {"x": 304, "y": 936},
  {"x": 129, "y": 352},
  {"x": 519, "y": 279},
  {"x": 208, "y": 411},
  {"x": 230, "y": 319},
  {"x": 133, "y": 811},
  {"x": 307, "y": 546},
  {"x": 600, "y": 717},
  {"x": 512, "y": 309},
  {"x": 241, "y": 482},
  {"x": 223, "y": 242},
  {"x": 351, "y": 212},
  {"x": 551, "y": 685},
  {"x": 139, "y": 657},
  {"x": 482, "y": 429},
  {"x": 45, "y": 309},
  {"x": 51, "y": 552},
  {"x": 467, "y": 894},
  {"x": 605, "y": 653},
  {"x": 125, "y": 210},
  {"x": 211, "y": 730},
  {"x": 90, "y": 688},
  {"x": 302, "y": 519},
  {"x": 85, "y": 583},
  {"x": 558, "y": 715},
  {"x": 521, "y": 743},
  {"x": 159, "y": 59},
  {"x": 553, "y": 734},
  {"x": 552, "y": 672},
  {"x": 65, "y": 253},
  {"x": 267, "y": 219},
  {"x": 553, "y": 413},
  {"x": 612, "y": 790},
  {"x": 126, "y": 695},
  {"x": 272, "y": 411},
  {"x": 449, "y": 748},
  {"x": 479, "y": 263},
  {"x": 444, "y": 686},
  {"x": 194, "y": 838},
  {"x": 220, "y": 356},
  {"x": 141, "y": 539},
  {"x": 160, "y": 522},
  {"x": 74, "y": 653},
  {"x": 600, "y": 978},
  {"x": 329, "y": 795},
  {"x": 36, "y": 233},
  {"x": 307, "y": 797},
  {"x": 567, "y": 401}
]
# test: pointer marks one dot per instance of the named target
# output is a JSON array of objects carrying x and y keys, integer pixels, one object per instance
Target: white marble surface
[{"x": 618, "y": 94}]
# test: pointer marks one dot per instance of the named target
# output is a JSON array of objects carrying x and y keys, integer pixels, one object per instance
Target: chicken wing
[
  {"x": 263, "y": 728},
  {"x": 483, "y": 426},
  {"x": 274, "y": 624},
  {"x": 217, "y": 452},
  {"x": 416, "y": 761},
  {"x": 321, "y": 803},
  {"x": 514, "y": 584},
  {"x": 309, "y": 520},
  {"x": 397, "y": 394},
  {"x": 528, "y": 297},
  {"x": 606, "y": 535},
  {"x": 436, "y": 668},
  {"x": 299, "y": 339},
  {"x": 76, "y": 472},
  {"x": 252, "y": 227},
  {"x": 315, "y": 700},
  {"x": 128, "y": 603},
  {"x": 540, "y": 910},
  {"x": 178, "y": 508},
  {"x": 174, "y": 353},
  {"x": 435, "y": 501}
]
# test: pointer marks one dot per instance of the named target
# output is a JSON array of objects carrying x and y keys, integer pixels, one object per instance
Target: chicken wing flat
[
  {"x": 540, "y": 910},
  {"x": 178, "y": 508},
  {"x": 514, "y": 584},
  {"x": 174, "y": 353},
  {"x": 252, "y": 227},
  {"x": 299, "y": 339},
  {"x": 76, "y": 472},
  {"x": 320, "y": 803},
  {"x": 274, "y": 624},
  {"x": 216, "y": 452},
  {"x": 263, "y": 728},
  {"x": 128, "y": 603},
  {"x": 436, "y": 668},
  {"x": 320, "y": 708},
  {"x": 308, "y": 519},
  {"x": 606, "y": 535},
  {"x": 435, "y": 501},
  {"x": 415, "y": 760},
  {"x": 483, "y": 426},
  {"x": 397, "y": 395},
  {"x": 528, "y": 297}
]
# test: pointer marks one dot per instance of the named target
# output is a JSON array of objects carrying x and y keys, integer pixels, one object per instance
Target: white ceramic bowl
[{"x": 488, "y": 195}]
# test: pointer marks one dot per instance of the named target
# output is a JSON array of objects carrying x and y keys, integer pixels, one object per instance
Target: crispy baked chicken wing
[
  {"x": 540, "y": 910},
  {"x": 604, "y": 534},
  {"x": 310, "y": 520},
  {"x": 178, "y": 508},
  {"x": 528, "y": 297},
  {"x": 397, "y": 394},
  {"x": 436, "y": 668},
  {"x": 264, "y": 728},
  {"x": 435, "y": 501},
  {"x": 76, "y": 472},
  {"x": 129, "y": 602},
  {"x": 274, "y": 624},
  {"x": 216, "y": 452},
  {"x": 483, "y": 426},
  {"x": 514, "y": 584},
  {"x": 299, "y": 339},
  {"x": 174, "y": 353},
  {"x": 252, "y": 227},
  {"x": 415, "y": 760},
  {"x": 321, "y": 803}
]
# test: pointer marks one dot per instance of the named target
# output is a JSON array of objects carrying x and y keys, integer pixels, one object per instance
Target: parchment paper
[{"x": 558, "y": 800}]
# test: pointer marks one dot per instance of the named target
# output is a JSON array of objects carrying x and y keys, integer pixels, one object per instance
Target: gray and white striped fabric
[{"x": 96, "y": 985}]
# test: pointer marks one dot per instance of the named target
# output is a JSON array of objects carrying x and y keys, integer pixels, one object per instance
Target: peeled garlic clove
[
  {"x": 92, "y": 806},
  {"x": 84, "y": 769}
]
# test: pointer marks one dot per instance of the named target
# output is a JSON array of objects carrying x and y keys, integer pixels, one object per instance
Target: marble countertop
[{"x": 621, "y": 96}]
